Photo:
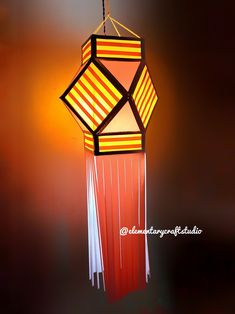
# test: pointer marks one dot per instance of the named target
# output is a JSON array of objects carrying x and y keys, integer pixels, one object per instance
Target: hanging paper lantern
[{"x": 112, "y": 98}]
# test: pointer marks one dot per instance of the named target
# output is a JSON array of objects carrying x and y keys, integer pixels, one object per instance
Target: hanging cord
[
  {"x": 103, "y": 5},
  {"x": 115, "y": 23}
]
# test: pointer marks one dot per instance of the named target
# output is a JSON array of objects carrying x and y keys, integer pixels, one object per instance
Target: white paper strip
[
  {"x": 94, "y": 242},
  {"x": 147, "y": 266}
]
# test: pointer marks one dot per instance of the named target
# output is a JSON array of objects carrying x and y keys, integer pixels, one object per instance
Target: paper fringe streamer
[{"x": 116, "y": 198}]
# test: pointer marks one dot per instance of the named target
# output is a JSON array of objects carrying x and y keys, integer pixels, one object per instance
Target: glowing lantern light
[{"x": 112, "y": 98}]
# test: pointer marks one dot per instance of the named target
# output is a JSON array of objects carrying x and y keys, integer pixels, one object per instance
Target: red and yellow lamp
[{"x": 112, "y": 98}]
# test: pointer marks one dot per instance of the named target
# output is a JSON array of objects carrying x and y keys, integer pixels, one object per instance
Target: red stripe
[
  {"x": 146, "y": 103},
  {"x": 149, "y": 110},
  {"x": 91, "y": 145},
  {"x": 121, "y": 147},
  {"x": 88, "y": 103},
  {"x": 88, "y": 44},
  {"x": 117, "y": 44},
  {"x": 94, "y": 98},
  {"x": 111, "y": 139},
  {"x": 88, "y": 138},
  {"x": 92, "y": 150},
  {"x": 86, "y": 55},
  {"x": 114, "y": 52},
  {"x": 98, "y": 91},
  {"x": 103, "y": 84},
  {"x": 145, "y": 93},
  {"x": 84, "y": 111},
  {"x": 88, "y": 145},
  {"x": 146, "y": 73}
]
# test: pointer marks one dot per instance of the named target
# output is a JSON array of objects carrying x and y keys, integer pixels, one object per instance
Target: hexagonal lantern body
[{"x": 112, "y": 97}]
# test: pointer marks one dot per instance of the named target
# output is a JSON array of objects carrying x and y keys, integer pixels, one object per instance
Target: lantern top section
[{"x": 113, "y": 48}]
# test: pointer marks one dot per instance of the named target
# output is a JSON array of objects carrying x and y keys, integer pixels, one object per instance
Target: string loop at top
[{"x": 115, "y": 23}]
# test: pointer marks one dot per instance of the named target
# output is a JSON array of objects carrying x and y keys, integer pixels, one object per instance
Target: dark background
[{"x": 190, "y": 157}]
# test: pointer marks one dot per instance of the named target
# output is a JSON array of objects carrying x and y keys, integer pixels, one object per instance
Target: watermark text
[{"x": 161, "y": 232}]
